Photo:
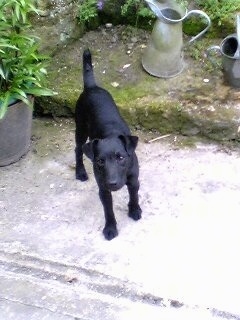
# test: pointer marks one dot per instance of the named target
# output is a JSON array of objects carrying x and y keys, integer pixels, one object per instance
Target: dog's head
[{"x": 112, "y": 158}]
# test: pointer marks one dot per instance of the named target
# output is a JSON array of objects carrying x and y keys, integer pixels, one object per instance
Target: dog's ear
[
  {"x": 89, "y": 147},
  {"x": 130, "y": 143}
]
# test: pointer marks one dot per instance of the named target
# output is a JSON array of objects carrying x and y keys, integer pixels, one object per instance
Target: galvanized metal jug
[
  {"x": 163, "y": 56},
  {"x": 229, "y": 50}
]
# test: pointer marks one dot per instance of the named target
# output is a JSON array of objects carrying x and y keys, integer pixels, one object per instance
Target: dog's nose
[{"x": 112, "y": 185}]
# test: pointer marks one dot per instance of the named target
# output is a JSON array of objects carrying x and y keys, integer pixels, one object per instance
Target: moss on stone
[{"x": 196, "y": 102}]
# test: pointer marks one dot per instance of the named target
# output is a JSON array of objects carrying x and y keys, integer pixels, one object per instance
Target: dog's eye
[
  {"x": 119, "y": 157},
  {"x": 100, "y": 162}
]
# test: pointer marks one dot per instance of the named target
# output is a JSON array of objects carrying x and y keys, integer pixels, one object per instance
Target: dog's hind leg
[
  {"x": 134, "y": 210},
  {"x": 81, "y": 135},
  {"x": 81, "y": 173},
  {"x": 110, "y": 229}
]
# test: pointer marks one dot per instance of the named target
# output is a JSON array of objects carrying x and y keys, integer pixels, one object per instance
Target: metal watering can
[
  {"x": 230, "y": 53},
  {"x": 163, "y": 56}
]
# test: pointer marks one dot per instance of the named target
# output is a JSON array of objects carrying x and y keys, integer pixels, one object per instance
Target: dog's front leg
[
  {"x": 110, "y": 229},
  {"x": 134, "y": 210}
]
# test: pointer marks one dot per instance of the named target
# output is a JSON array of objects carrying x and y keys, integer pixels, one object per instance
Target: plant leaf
[
  {"x": 4, "y": 105},
  {"x": 40, "y": 92}
]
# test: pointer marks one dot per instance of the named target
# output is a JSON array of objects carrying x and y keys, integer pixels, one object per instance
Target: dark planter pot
[{"x": 15, "y": 133}]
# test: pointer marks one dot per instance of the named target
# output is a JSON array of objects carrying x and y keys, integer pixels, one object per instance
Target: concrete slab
[{"x": 180, "y": 261}]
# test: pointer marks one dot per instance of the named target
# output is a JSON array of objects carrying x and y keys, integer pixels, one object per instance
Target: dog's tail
[{"x": 88, "y": 76}]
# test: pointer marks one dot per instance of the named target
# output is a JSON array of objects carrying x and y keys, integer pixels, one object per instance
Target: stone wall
[{"x": 57, "y": 23}]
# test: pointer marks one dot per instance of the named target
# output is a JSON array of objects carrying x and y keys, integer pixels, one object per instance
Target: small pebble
[
  {"x": 134, "y": 39},
  {"x": 115, "y": 84},
  {"x": 130, "y": 46},
  {"x": 108, "y": 25}
]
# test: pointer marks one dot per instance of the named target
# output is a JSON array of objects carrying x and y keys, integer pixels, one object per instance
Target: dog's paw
[
  {"x": 135, "y": 213},
  {"x": 110, "y": 232},
  {"x": 81, "y": 175}
]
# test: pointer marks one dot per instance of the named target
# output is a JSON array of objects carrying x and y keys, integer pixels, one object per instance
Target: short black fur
[{"x": 111, "y": 147}]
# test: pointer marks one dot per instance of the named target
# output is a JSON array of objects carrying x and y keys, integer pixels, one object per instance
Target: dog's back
[{"x": 105, "y": 119}]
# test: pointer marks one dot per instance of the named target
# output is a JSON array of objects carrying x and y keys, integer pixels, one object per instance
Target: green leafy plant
[
  {"x": 22, "y": 68},
  {"x": 87, "y": 11},
  {"x": 137, "y": 8},
  {"x": 219, "y": 10}
]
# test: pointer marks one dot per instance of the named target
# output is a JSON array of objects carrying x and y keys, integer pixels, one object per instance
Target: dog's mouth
[{"x": 114, "y": 187}]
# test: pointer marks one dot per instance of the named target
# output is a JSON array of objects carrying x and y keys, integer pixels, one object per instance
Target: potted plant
[{"x": 22, "y": 76}]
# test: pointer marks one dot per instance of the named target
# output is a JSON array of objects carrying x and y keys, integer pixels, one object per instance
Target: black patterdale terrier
[{"x": 111, "y": 147}]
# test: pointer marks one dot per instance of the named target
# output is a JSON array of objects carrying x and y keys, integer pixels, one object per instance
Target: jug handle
[
  {"x": 210, "y": 58},
  {"x": 201, "y": 13}
]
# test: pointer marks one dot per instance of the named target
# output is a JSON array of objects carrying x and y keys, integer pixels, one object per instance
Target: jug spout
[
  {"x": 167, "y": 10},
  {"x": 157, "y": 5}
]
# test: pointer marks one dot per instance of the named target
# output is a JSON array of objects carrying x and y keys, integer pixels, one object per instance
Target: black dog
[{"x": 111, "y": 147}]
